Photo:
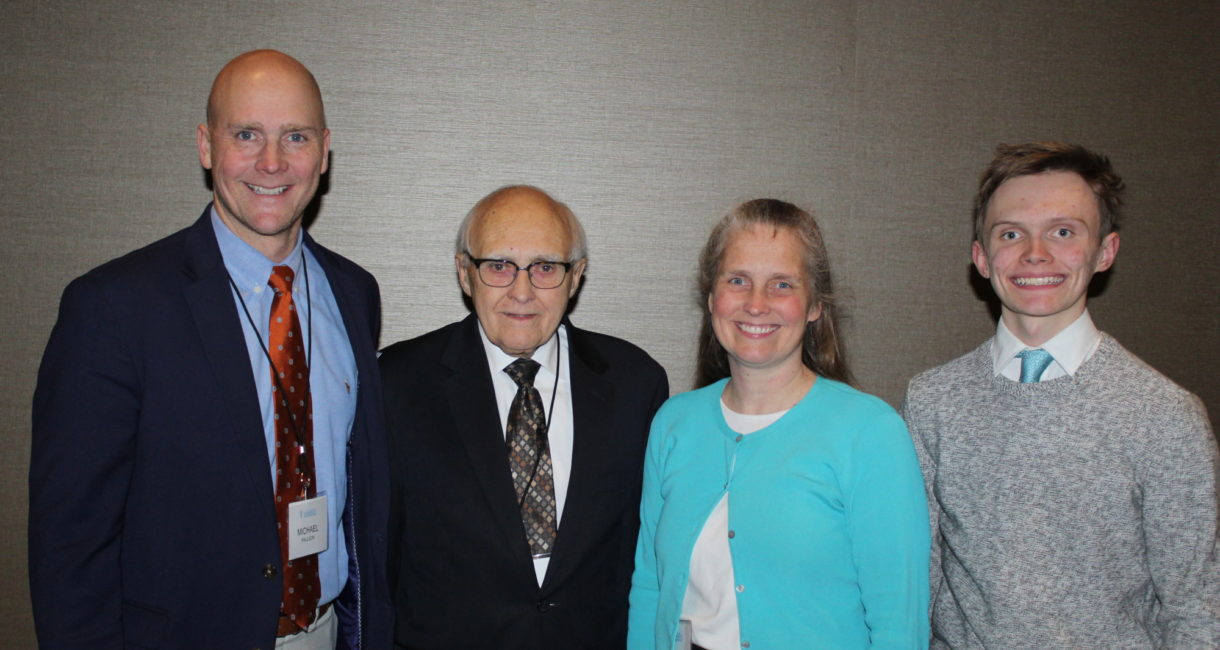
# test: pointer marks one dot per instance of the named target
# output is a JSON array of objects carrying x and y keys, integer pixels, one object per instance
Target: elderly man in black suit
[{"x": 517, "y": 442}]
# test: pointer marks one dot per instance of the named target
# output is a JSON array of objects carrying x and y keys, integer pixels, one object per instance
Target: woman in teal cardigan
[{"x": 782, "y": 508}]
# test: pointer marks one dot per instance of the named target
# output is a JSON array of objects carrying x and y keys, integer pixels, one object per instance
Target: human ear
[
  {"x": 578, "y": 271},
  {"x": 815, "y": 312},
  {"x": 1107, "y": 252},
  {"x": 459, "y": 265},
  {"x": 979, "y": 255},
  {"x": 203, "y": 143},
  {"x": 325, "y": 151}
]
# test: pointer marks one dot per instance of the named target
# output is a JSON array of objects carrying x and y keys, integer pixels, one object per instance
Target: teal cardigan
[{"x": 828, "y": 521}]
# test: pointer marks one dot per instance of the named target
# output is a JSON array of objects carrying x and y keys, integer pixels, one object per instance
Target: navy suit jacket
[
  {"x": 152, "y": 523},
  {"x": 460, "y": 567}
]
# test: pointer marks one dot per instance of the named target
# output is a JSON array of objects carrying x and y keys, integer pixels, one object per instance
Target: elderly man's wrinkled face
[{"x": 520, "y": 226}]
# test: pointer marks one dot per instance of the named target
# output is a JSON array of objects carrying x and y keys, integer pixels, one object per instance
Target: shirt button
[
  {"x": 732, "y": 534},
  {"x": 739, "y": 437},
  {"x": 741, "y": 588},
  {"x": 269, "y": 571}
]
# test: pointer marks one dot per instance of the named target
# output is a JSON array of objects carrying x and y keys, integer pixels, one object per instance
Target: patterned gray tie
[{"x": 529, "y": 458}]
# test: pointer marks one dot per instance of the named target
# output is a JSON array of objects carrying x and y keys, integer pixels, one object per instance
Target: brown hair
[
  {"x": 821, "y": 350},
  {"x": 1013, "y": 160}
]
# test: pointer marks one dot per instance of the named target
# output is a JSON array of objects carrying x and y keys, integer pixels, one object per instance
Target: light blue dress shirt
[{"x": 332, "y": 376}]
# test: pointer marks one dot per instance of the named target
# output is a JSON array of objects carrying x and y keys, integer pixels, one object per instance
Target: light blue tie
[{"x": 1033, "y": 364}]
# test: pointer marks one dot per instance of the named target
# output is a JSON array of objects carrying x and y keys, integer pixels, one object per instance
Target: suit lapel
[
  {"x": 220, "y": 334},
  {"x": 364, "y": 450},
  {"x": 343, "y": 287},
  {"x": 592, "y": 398},
  {"x": 476, "y": 420}
]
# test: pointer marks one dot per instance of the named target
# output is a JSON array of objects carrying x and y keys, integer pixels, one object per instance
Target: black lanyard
[
  {"x": 546, "y": 429},
  {"x": 275, "y": 374}
]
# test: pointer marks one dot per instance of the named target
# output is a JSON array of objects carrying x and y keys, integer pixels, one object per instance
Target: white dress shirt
[
  {"x": 1070, "y": 349},
  {"x": 554, "y": 362}
]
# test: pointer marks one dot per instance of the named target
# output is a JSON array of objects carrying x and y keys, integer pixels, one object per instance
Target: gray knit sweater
[{"x": 1079, "y": 512}]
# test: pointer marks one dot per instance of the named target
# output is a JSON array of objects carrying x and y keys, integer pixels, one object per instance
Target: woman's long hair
[{"x": 821, "y": 351}]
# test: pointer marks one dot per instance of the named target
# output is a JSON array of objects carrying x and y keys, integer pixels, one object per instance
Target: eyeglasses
[{"x": 543, "y": 274}]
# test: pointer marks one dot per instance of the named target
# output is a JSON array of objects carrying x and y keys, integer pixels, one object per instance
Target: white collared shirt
[
  {"x": 560, "y": 432},
  {"x": 1070, "y": 349}
]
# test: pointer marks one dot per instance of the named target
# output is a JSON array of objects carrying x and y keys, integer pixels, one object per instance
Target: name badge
[
  {"x": 683, "y": 642},
  {"x": 307, "y": 527}
]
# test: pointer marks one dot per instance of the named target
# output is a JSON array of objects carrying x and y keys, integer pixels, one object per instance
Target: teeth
[
  {"x": 1039, "y": 282},
  {"x": 757, "y": 329},
  {"x": 265, "y": 191}
]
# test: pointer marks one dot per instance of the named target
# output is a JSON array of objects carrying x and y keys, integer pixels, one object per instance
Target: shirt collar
[
  {"x": 547, "y": 354},
  {"x": 249, "y": 268},
  {"x": 1070, "y": 347}
]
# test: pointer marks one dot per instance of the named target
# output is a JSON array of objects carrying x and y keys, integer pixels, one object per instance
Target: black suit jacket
[
  {"x": 460, "y": 568},
  {"x": 152, "y": 523}
]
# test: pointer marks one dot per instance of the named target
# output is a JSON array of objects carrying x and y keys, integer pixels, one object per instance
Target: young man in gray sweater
[{"x": 1072, "y": 487}]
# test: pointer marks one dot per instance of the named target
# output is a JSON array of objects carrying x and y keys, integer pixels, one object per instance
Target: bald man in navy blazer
[{"x": 152, "y": 516}]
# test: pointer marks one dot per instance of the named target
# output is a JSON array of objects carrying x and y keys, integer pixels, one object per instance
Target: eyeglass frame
[{"x": 477, "y": 261}]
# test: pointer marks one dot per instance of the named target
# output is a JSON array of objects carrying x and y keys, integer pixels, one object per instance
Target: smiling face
[
  {"x": 761, "y": 300},
  {"x": 1041, "y": 246},
  {"x": 266, "y": 144},
  {"x": 522, "y": 226}
]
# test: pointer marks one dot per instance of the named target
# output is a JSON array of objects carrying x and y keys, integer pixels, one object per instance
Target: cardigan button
[
  {"x": 740, "y": 437},
  {"x": 269, "y": 571},
  {"x": 732, "y": 534},
  {"x": 745, "y": 644},
  {"x": 741, "y": 588}
]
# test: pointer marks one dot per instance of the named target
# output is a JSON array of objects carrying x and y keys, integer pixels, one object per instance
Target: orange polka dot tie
[{"x": 294, "y": 469}]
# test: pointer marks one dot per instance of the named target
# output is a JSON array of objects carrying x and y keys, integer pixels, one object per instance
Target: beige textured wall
[{"x": 650, "y": 119}]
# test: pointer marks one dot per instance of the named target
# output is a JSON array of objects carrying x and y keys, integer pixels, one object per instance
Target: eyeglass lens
[{"x": 543, "y": 275}]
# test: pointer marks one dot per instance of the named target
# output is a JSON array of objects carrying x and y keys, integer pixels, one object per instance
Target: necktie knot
[
  {"x": 1033, "y": 364},
  {"x": 523, "y": 372},
  {"x": 281, "y": 278}
]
